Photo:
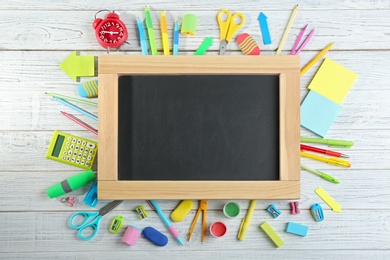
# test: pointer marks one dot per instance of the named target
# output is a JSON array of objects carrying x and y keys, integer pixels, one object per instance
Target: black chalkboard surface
[{"x": 198, "y": 127}]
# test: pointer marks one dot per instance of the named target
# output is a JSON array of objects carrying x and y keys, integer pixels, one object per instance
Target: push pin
[
  {"x": 295, "y": 207},
  {"x": 274, "y": 211},
  {"x": 69, "y": 200}
]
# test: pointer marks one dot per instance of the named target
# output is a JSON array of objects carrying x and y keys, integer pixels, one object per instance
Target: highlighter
[{"x": 70, "y": 184}]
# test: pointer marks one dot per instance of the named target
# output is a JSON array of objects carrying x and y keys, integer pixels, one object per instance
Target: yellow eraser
[
  {"x": 182, "y": 210},
  {"x": 272, "y": 234}
]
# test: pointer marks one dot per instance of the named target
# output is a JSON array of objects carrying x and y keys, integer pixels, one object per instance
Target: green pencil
[{"x": 72, "y": 99}]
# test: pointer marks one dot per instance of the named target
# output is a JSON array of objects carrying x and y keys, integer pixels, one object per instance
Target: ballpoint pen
[
  {"x": 149, "y": 26},
  {"x": 164, "y": 33},
  {"x": 329, "y": 142},
  {"x": 321, "y": 174},
  {"x": 176, "y": 39},
  {"x": 246, "y": 221},
  {"x": 142, "y": 37},
  {"x": 324, "y": 151},
  {"x": 164, "y": 219},
  {"x": 333, "y": 161}
]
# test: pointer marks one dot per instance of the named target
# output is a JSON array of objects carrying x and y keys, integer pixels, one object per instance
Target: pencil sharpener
[
  {"x": 317, "y": 212},
  {"x": 274, "y": 211},
  {"x": 141, "y": 212}
]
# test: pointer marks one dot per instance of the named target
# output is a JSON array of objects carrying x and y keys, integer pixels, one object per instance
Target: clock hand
[{"x": 110, "y": 32}]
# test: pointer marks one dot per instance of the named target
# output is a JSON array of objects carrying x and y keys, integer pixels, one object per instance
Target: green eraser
[{"x": 272, "y": 234}]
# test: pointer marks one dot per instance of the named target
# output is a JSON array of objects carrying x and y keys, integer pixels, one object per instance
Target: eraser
[
  {"x": 155, "y": 236},
  {"x": 297, "y": 229},
  {"x": 182, "y": 210},
  {"x": 272, "y": 234},
  {"x": 88, "y": 89},
  {"x": 247, "y": 45},
  {"x": 131, "y": 235}
]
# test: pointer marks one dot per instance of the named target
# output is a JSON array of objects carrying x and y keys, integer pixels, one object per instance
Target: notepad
[
  {"x": 318, "y": 113},
  {"x": 333, "y": 81}
]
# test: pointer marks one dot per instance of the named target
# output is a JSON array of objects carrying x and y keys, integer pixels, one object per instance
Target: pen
[
  {"x": 305, "y": 42},
  {"x": 295, "y": 47},
  {"x": 246, "y": 221},
  {"x": 72, "y": 99},
  {"x": 142, "y": 37},
  {"x": 166, "y": 222},
  {"x": 333, "y": 161},
  {"x": 321, "y": 174},
  {"x": 164, "y": 33},
  {"x": 76, "y": 108},
  {"x": 176, "y": 39},
  {"x": 315, "y": 59},
  {"x": 82, "y": 123},
  {"x": 287, "y": 30},
  {"x": 324, "y": 151},
  {"x": 149, "y": 26},
  {"x": 329, "y": 142}
]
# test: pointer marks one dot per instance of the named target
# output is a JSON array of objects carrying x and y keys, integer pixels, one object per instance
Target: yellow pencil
[
  {"x": 287, "y": 30},
  {"x": 333, "y": 161},
  {"x": 316, "y": 58},
  {"x": 164, "y": 33}
]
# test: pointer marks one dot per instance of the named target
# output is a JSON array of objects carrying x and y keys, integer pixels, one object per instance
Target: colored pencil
[
  {"x": 299, "y": 38},
  {"x": 305, "y": 42},
  {"x": 315, "y": 59},
  {"x": 82, "y": 123},
  {"x": 287, "y": 30},
  {"x": 85, "y": 102},
  {"x": 76, "y": 108}
]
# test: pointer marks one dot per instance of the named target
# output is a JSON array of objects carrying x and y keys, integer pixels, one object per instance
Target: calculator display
[{"x": 58, "y": 145}]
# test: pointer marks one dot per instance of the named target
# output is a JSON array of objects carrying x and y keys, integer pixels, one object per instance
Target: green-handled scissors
[
  {"x": 228, "y": 27},
  {"x": 92, "y": 220}
]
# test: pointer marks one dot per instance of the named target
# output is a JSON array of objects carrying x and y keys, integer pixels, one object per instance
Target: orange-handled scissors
[
  {"x": 202, "y": 207},
  {"x": 228, "y": 27}
]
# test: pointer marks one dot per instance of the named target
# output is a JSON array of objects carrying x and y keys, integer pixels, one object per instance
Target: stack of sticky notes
[{"x": 328, "y": 89}]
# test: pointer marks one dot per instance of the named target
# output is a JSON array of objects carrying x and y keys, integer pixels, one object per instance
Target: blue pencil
[
  {"x": 142, "y": 37},
  {"x": 76, "y": 108},
  {"x": 176, "y": 39}
]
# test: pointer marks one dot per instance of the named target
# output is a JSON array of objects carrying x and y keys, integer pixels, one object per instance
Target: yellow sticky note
[{"x": 333, "y": 81}]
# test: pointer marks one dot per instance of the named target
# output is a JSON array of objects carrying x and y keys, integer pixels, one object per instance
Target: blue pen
[
  {"x": 176, "y": 39},
  {"x": 142, "y": 37},
  {"x": 76, "y": 108},
  {"x": 166, "y": 222}
]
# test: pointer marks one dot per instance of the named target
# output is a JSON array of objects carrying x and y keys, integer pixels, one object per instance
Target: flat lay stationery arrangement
[{"x": 173, "y": 129}]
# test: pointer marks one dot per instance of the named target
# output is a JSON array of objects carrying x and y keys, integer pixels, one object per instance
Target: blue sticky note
[
  {"x": 318, "y": 113},
  {"x": 297, "y": 229},
  {"x": 264, "y": 28}
]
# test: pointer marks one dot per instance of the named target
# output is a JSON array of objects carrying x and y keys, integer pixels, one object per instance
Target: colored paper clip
[
  {"x": 295, "y": 207},
  {"x": 69, "y": 200},
  {"x": 116, "y": 224},
  {"x": 141, "y": 212},
  {"x": 91, "y": 197},
  {"x": 274, "y": 211},
  {"x": 317, "y": 212}
]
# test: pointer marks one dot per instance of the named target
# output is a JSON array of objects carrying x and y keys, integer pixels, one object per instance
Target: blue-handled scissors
[{"x": 92, "y": 219}]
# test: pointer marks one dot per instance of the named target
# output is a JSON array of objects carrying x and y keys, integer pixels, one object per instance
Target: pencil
[
  {"x": 76, "y": 108},
  {"x": 287, "y": 30},
  {"x": 315, "y": 59},
  {"x": 72, "y": 99},
  {"x": 82, "y": 123},
  {"x": 164, "y": 33}
]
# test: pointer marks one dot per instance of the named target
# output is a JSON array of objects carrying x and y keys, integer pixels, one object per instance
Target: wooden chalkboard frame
[{"x": 113, "y": 66}]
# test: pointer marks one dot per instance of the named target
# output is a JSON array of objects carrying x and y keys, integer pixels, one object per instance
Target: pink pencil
[
  {"x": 294, "y": 49},
  {"x": 78, "y": 121},
  {"x": 305, "y": 42}
]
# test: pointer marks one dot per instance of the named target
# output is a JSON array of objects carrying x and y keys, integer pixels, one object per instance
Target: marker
[
  {"x": 149, "y": 26},
  {"x": 142, "y": 37},
  {"x": 329, "y": 142},
  {"x": 176, "y": 39},
  {"x": 246, "y": 221},
  {"x": 71, "y": 184},
  {"x": 164, "y": 33},
  {"x": 321, "y": 174},
  {"x": 333, "y": 161},
  {"x": 323, "y": 151},
  {"x": 76, "y": 108}
]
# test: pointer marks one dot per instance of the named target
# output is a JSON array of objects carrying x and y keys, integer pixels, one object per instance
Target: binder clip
[
  {"x": 69, "y": 200},
  {"x": 274, "y": 211},
  {"x": 317, "y": 212},
  {"x": 141, "y": 212},
  {"x": 295, "y": 207},
  {"x": 91, "y": 197}
]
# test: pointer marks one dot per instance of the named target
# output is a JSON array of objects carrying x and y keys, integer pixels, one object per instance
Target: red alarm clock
[{"x": 110, "y": 32}]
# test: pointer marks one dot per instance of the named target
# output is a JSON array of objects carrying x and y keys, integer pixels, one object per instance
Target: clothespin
[
  {"x": 295, "y": 207},
  {"x": 295, "y": 50},
  {"x": 274, "y": 211},
  {"x": 202, "y": 208}
]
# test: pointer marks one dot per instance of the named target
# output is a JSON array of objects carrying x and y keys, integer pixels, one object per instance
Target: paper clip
[
  {"x": 91, "y": 197},
  {"x": 69, "y": 200},
  {"x": 317, "y": 212},
  {"x": 141, "y": 212},
  {"x": 116, "y": 224},
  {"x": 274, "y": 211},
  {"x": 295, "y": 207}
]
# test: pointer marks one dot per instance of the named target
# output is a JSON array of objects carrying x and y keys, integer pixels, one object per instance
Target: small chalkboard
[{"x": 198, "y": 129}]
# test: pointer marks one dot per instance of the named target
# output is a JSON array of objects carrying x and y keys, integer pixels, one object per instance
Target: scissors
[
  {"x": 202, "y": 207},
  {"x": 92, "y": 220},
  {"x": 228, "y": 27}
]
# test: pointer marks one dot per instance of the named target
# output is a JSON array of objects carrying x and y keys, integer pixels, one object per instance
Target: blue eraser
[
  {"x": 88, "y": 89},
  {"x": 155, "y": 236},
  {"x": 297, "y": 229}
]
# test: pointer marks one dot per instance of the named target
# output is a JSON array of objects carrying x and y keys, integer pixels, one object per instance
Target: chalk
[{"x": 272, "y": 234}]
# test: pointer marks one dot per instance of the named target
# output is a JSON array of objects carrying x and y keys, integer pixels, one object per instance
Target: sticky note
[
  {"x": 318, "y": 113},
  {"x": 272, "y": 234},
  {"x": 328, "y": 199},
  {"x": 333, "y": 81},
  {"x": 297, "y": 229}
]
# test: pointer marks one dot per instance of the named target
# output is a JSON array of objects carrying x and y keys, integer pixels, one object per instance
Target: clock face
[{"x": 112, "y": 33}]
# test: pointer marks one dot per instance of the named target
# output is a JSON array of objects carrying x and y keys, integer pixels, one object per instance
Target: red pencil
[
  {"x": 78, "y": 121},
  {"x": 319, "y": 150}
]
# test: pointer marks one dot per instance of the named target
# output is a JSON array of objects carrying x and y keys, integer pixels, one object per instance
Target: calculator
[{"x": 73, "y": 150}]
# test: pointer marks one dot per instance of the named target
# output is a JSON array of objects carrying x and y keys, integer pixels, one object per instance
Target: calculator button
[
  {"x": 83, "y": 143},
  {"x": 90, "y": 145},
  {"x": 87, "y": 164},
  {"x": 89, "y": 158},
  {"x": 72, "y": 146},
  {"x": 82, "y": 162},
  {"x": 67, "y": 143},
  {"x": 74, "y": 153},
  {"x": 74, "y": 140},
  {"x": 84, "y": 156},
  {"x": 81, "y": 149},
  {"x": 70, "y": 152},
  {"x": 73, "y": 159},
  {"x": 68, "y": 158},
  {"x": 69, "y": 138},
  {"x": 77, "y": 147},
  {"x": 86, "y": 150},
  {"x": 78, "y": 161},
  {"x": 63, "y": 158},
  {"x": 79, "y": 141},
  {"x": 66, "y": 147},
  {"x": 65, "y": 152},
  {"x": 79, "y": 155},
  {"x": 91, "y": 152}
]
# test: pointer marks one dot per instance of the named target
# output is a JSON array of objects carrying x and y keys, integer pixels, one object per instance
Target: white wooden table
[{"x": 38, "y": 35}]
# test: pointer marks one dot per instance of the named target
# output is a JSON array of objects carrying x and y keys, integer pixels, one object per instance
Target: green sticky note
[
  {"x": 78, "y": 66},
  {"x": 272, "y": 234}
]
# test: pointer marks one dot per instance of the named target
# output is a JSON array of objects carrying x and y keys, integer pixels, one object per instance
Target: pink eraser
[
  {"x": 131, "y": 235},
  {"x": 247, "y": 45}
]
